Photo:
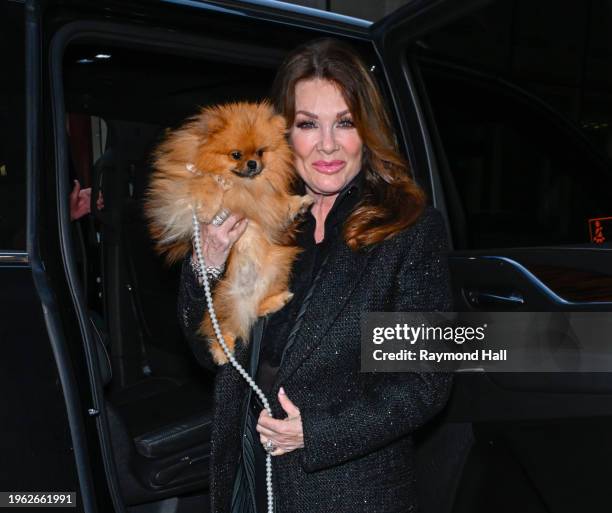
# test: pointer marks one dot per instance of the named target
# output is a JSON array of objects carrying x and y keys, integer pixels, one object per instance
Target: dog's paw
[
  {"x": 217, "y": 352},
  {"x": 274, "y": 303},
  {"x": 305, "y": 203},
  {"x": 218, "y": 355},
  {"x": 225, "y": 183},
  {"x": 299, "y": 205},
  {"x": 207, "y": 196},
  {"x": 205, "y": 212}
]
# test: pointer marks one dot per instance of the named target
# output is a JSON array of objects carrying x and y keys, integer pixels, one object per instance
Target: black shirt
[{"x": 305, "y": 268}]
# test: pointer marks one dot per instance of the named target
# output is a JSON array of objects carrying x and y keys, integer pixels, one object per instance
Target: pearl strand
[{"x": 213, "y": 317}]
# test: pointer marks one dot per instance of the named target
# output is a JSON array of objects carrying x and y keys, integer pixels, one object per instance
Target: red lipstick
[{"x": 328, "y": 166}]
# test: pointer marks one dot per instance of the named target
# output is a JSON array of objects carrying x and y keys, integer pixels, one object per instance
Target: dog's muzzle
[{"x": 253, "y": 168}]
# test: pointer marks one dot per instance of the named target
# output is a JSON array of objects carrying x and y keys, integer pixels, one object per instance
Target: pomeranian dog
[{"x": 233, "y": 156}]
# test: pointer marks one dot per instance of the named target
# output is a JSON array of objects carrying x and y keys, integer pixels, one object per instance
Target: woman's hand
[
  {"x": 217, "y": 241},
  {"x": 286, "y": 434},
  {"x": 79, "y": 201}
]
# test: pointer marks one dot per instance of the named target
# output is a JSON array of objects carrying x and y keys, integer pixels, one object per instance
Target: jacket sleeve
[
  {"x": 191, "y": 305},
  {"x": 388, "y": 405}
]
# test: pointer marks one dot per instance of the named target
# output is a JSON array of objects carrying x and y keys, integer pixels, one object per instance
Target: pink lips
[{"x": 331, "y": 166}]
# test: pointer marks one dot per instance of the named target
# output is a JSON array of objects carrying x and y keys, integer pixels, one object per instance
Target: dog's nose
[{"x": 252, "y": 165}]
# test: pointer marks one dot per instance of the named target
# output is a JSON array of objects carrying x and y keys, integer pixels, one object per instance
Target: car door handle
[{"x": 480, "y": 298}]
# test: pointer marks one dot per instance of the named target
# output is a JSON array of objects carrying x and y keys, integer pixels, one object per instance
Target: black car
[{"x": 504, "y": 109}]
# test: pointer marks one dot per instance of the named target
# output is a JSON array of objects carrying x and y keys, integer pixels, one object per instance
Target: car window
[
  {"x": 12, "y": 128},
  {"x": 525, "y": 128}
]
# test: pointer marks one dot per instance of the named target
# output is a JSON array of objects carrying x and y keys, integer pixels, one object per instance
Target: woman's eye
[
  {"x": 236, "y": 155},
  {"x": 346, "y": 123},
  {"x": 305, "y": 124}
]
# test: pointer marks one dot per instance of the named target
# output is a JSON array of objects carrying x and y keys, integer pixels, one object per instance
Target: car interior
[{"x": 120, "y": 102}]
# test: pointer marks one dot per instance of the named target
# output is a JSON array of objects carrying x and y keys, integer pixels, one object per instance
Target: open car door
[
  {"x": 106, "y": 79},
  {"x": 504, "y": 106}
]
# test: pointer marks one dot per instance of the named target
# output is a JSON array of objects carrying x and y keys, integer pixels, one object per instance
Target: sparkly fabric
[
  {"x": 281, "y": 324},
  {"x": 358, "y": 448}
]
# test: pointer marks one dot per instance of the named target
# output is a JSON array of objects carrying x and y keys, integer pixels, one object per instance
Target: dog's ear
[
  {"x": 279, "y": 122},
  {"x": 280, "y": 125},
  {"x": 267, "y": 110},
  {"x": 208, "y": 122}
]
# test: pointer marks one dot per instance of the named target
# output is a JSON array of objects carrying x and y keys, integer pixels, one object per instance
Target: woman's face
[{"x": 326, "y": 144}]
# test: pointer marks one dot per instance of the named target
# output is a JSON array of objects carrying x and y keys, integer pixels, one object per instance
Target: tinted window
[
  {"x": 12, "y": 128},
  {"x": 524, "y": 129}
]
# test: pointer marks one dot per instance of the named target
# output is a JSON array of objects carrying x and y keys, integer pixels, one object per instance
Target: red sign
[{"x": 600, "y": 229}]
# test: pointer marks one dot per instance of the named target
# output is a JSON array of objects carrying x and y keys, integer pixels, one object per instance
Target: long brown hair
[{"x": 391, "y": 200}]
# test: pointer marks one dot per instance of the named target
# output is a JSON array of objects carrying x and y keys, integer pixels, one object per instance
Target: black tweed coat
[{"x": 358, "y": 450}]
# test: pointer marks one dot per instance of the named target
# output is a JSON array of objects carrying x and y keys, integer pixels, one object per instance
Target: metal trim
[{"x": 14, "y": 257}]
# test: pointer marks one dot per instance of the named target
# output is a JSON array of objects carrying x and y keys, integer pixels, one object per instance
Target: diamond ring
[
  {"x": 220, "y": 218},
  {"x": 269, "y": 446}
]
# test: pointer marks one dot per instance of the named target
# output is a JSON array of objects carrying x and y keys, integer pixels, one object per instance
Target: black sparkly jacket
[{"x": 358, "y": 446}]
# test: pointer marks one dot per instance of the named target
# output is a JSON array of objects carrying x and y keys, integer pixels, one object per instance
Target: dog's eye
[
  {"x": 260, "y": 153},
  {"x": 236, "y": 155}
]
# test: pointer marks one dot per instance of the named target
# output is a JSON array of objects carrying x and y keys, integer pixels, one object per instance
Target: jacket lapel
[{"x": 340, "y": 276}]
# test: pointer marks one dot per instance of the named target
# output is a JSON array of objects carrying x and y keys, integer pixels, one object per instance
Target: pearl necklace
[{"x": 203, "y": 276}]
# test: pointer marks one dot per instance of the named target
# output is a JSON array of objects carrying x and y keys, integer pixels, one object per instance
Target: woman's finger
[
  {"x": 220, "y": 232},
  {"x": 75, "y": 189},
  {"x": 285, "y": 438},
  {"x": 240, "y": 220},
  {"x": 282, "y": 426},
  {"x": 290, "y": 409},
  {"x": 239, "y": 228},
  {"x": 217, "y": 240},
  {"x": 266, "y": 432},
  {"x": 282, "y": 435},
  {"x": 226, "y": 225},
  {"x": 228, "y": 232},
  {"x": 280, "y": 448},
  {"x": 229, "y": 224}
]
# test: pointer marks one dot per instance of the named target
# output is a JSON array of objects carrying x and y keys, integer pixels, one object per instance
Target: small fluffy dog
[{"x": 232, "y": 156}]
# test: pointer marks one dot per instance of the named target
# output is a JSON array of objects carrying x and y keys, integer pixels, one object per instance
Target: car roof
[{"x": 276, "y": 5}]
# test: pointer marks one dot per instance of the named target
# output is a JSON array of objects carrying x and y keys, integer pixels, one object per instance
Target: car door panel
[
  {"x": 219, "y": 41},
  {"x": 520, "y": 185}
]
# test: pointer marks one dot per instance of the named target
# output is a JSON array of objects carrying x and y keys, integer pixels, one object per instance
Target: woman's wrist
[
  {"x": 214, "y": 273},
  {"x": 212, "y": 258}
]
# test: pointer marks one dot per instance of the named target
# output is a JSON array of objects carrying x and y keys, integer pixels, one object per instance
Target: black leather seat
[{"x": 160, "y": 430}]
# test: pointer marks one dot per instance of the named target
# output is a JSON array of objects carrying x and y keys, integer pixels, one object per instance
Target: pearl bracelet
[{"x": 214, "y": 273}]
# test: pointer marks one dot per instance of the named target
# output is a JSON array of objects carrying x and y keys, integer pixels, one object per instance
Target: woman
[{"x": 340, "y": 439}]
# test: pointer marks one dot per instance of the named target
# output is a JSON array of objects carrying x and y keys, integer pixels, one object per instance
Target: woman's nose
[{"x": 328, "y": 141}]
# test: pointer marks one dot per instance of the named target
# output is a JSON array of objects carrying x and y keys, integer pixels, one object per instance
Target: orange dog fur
[{"x": 232, "y": 156}]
